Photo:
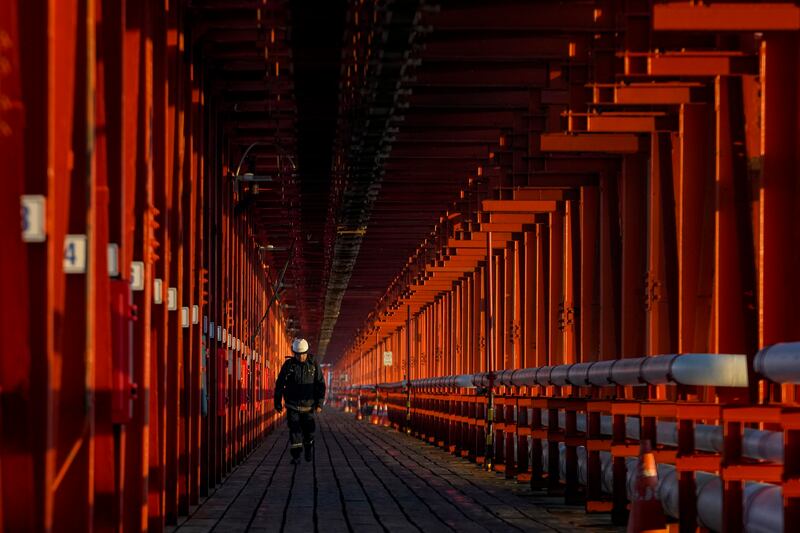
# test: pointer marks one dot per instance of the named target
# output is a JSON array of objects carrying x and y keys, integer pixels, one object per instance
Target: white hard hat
[{"x": 299, "y": 345}]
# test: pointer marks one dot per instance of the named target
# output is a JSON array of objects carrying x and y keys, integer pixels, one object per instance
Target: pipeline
[
  {"x": 700, "y": 369},
  {"x": 686, "y": 369},
  {"x": 779, "y": 363},
  {"x": 762, "y": 502}
]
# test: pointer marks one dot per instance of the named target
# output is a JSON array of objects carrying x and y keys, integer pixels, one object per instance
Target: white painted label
[
  {"x": 195, "y": 314},
  {"x": 137, "y": 276},
  {"x": 205, "y": 325},
  {"x": 113, "y": 259},
  {"x": 211, "y": 330},
  {"x": 74, "y": 254},
  {"x": 158, "y": 291},
  {"x": 387, "y": 358},
  {"x": 219, "y": 332},
  {"x": 172, "y": 299},
  {"x": 33, "y": 211},
  {"x": 185, "y": 317},
  {"x": 224, "y": 335}
]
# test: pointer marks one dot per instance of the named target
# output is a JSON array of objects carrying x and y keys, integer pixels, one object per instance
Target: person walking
[{"x": 301, "y": 386}]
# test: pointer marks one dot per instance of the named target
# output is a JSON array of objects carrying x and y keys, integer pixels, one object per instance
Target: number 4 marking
[{"x": 74, "y": 254}]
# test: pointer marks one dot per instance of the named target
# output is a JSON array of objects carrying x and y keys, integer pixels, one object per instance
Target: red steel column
[
  {"x": 488, "y": 332},
  {"x": 70, "y": 352},
  {"x": 778, "y": 287},
  {"x": 24, "y": 403}
]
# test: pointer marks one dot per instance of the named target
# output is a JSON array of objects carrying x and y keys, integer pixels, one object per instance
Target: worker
[{"x": 301, "y": 384}]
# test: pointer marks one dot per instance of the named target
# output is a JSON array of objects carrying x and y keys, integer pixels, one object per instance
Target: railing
[{"x": 575, "y": 430}]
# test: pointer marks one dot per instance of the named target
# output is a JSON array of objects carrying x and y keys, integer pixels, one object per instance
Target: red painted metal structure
[
  {"x": 473, "y": 187},
  {"x": 135, "y": 376}
]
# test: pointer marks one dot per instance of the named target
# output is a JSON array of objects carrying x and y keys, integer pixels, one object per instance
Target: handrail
[{"x": 701, "y": 369}]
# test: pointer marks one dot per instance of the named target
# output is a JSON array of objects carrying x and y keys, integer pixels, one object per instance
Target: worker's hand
[{"x": 318, "y": 409}]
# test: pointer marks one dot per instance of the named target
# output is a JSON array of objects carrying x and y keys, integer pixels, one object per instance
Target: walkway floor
[{"x": 367, "y": 478}]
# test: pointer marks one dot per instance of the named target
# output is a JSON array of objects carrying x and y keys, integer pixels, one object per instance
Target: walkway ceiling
[
  {"x": 418, "y": 112},
  {"x": 378, "y": 115}
]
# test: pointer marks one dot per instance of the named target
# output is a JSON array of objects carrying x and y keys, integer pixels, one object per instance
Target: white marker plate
[
  {"x": 137, "y": 276},
  {"x": 113, "y": 259},
  {"x": 172, "y": 299},
  {"x": 33, "y": 210},
  {"x": 74, "y": 254},
  {"x": 158, "y": 291}
]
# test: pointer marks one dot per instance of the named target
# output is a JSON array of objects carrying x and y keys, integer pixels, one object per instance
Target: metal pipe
[
  {"x": 718, "y": 370},
  {"x": 779, "y": 362}
]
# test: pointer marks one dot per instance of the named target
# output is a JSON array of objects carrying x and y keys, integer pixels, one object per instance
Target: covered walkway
[
  {"x": 557, "y": 239},
  {"x": 369, "y": 478}
]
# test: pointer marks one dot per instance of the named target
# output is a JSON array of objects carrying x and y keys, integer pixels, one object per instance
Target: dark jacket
[{"x": 301, "y": 385}]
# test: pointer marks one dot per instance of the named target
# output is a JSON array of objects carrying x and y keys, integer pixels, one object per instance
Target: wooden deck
[{"x": 367, "y": 478}]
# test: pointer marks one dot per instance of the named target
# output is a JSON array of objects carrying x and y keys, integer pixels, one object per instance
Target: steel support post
[
  {"x": 25, "y": 400},
  {"x": 408, "y": 370},
  {"x": 488, "y": 333}
]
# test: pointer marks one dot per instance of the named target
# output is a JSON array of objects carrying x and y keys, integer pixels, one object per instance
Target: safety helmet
[{"x": 299, "y": 345}]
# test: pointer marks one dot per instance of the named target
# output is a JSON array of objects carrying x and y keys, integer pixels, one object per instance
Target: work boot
[
  {"x": 309, "y": 452},
  {"x": 295, "y": 456}
]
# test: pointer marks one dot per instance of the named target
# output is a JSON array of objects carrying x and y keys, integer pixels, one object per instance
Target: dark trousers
[{"x": 301, "y": 430}]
